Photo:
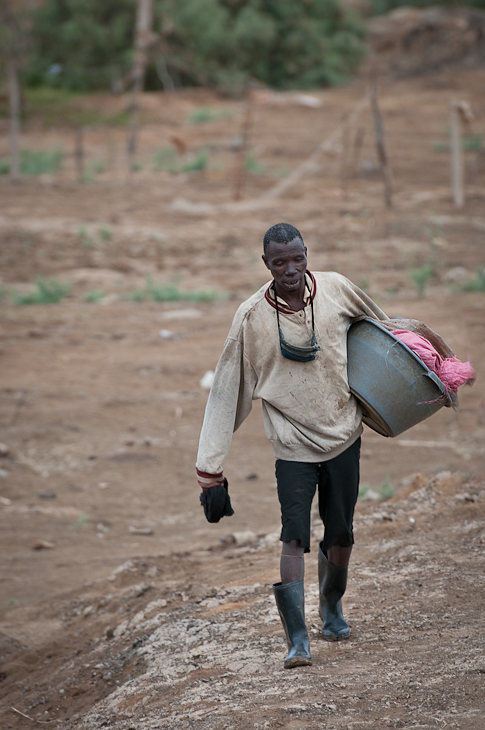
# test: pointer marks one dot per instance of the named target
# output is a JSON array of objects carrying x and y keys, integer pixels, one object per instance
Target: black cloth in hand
[{"x": 216, "y": 502}]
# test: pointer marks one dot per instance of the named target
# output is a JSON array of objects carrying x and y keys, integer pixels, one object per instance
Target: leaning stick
[
  {"x": 381, "y": 147},
  {"x": 32, "y": 719}
]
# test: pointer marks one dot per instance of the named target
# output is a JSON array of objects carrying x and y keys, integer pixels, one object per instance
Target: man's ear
[{"x": 265, "y": 261}]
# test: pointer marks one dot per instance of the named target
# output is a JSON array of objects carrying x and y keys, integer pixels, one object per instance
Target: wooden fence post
[
  {"x": 79, "y": 153},
  {"x": 381, "y": 147},
  {"x": 241, "y": 164},
  {"x": 14, "y": 111},
  {"x": 456, "y": 155},
  {"x": 144, "y": 24}
]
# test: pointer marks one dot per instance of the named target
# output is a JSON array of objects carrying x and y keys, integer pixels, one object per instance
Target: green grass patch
[
  {"x": 94, "y": 296},
  {"x": 48, "y": 291},
  {"x": 57, "y": 106},
  {"x": 475, "y": 285},
  {"x": 170, "y": 293},
  {"x": 38, "y": 162},
  {"x": 165, "y": 159},
  {"x": 385, "y": 490},
  {"x": 205, "y": 114},
  {"x": 253, "y": 166},
  {"x": 105, "y": 234},
  {"x": 197, "y": 164},
  {"x": 421, "y": 276}
]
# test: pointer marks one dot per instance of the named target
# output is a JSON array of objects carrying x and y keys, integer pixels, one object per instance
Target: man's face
[{"x": 287, "y": 262}]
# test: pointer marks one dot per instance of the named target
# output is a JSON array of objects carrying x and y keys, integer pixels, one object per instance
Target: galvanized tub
[{"x": 394, "y": 387}]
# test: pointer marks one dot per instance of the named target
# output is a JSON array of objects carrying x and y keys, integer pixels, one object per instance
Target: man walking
[{"x": 288, "y": 347}]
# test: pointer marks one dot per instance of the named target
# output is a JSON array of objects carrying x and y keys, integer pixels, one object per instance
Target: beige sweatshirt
[{"x": 308, "y": 411}]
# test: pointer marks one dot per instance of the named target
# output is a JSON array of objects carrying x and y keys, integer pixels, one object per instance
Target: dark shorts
[{"x": 338, "y": 489}]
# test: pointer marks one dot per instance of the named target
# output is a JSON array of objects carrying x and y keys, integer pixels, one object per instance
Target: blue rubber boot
[
  {"x": 333, "y": 582},
  {"x": 290, "y": 601}
]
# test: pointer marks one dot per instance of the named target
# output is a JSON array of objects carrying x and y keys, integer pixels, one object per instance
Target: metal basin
[{"x": 394, "y": 387}]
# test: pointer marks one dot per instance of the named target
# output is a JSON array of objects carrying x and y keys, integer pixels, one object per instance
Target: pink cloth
[{"x": 451, "y": 371}]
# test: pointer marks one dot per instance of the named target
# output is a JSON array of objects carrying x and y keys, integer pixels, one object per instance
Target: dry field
[{"x": 120, "y": 606}]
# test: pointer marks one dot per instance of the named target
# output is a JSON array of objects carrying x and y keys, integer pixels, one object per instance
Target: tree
[
  {"x": 85, "y": 44},
  {"x": 14, "y": 31}
]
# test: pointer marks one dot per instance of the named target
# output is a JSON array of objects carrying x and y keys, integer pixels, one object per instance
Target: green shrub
[
  {"x": 206, "y": 114},
  {"x": 49, "y": 291},
  {"x": 35, "y": 163},
  {"x": 292, "y": 44},
  {"x": 421, "y": 276},
  {"x": 94, "y": 296},
  {"x": 170, "y": 293},
  {"x": 253, "y": 166},
  {"x": 475, "y": 285},
  {"x": 197, "y": 164},
  {"x": 165, "y": 159},
  {"x": 105, "y": 234}
]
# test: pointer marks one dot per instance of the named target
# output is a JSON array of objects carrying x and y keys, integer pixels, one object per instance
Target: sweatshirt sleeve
[
  {"x": 229, "y": 403},
  {"x": 361, "y": 305}
]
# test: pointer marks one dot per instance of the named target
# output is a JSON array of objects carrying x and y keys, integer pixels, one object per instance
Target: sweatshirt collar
[{"x": 310, "y": 291}]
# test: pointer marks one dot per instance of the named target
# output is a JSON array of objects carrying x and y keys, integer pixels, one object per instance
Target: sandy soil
[{"x": 120, "y": 606}]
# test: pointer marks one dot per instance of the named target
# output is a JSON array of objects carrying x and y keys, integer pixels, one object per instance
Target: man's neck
[{"x": 295, "y": 300}]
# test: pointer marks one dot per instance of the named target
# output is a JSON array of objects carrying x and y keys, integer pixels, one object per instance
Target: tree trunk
[{"x": 144, "y": 23}]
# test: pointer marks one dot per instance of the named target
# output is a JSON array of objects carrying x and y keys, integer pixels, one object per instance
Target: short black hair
[{"x": 281, "y": 233}]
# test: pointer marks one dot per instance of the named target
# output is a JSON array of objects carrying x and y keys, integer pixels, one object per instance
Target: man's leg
[
  {"x": 296, "y": 488},
  {"x": 338, "y": 491},
  {"x": 292, "y": 562},
  {"x": 339, "y": 556}
]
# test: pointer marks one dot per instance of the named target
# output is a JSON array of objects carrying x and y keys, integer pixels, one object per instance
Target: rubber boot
[
  {"x": 290, "y": 601},
  {"x": 333, "y": 582}
]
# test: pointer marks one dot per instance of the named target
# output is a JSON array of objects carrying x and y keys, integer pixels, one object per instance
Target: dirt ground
[{"x": 120, "y": 606}]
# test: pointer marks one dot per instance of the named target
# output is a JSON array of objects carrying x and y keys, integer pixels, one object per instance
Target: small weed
[
  {"x": 94, "y": 296},
  {"x": 105, "y": 234},
  {"x": 3, "y": 293},
  {"x": 385, "y": 490},
  {"x": 137, "y": 165},
  {"x": 197, "y": 164},
  {"x": 165, "y": 159},
  {"x": 206, "y": 114},
  {"x": 475, "y": 285},
  {"x": 421, "y": 276},
  {"x": 469, "y": 143},
  {"x": 169, "y": 293},
  {"x": 13, "y": 602},
  {"x": 253, "y": 166},
  {"x": 98, "y": 167},
  {"x": 80, "y": 523},
  {"x": 4, "y": 167},
  {"x": 49, "y": 291},
  {"x": 86, "y": 239}
]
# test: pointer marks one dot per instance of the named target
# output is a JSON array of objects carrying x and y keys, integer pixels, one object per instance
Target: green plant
[
  {"x": 94, "y": 296},
  {"x": 421, "y": 276},
  {"x": 165, "y": 158},
  {"x": 86, "y": 239},
  {"x": 293, "y": 44},
  {"x": 3, "y": 293},
  {"x": 197, "y": 164},
  {"x": 105, "y": 234},
  {"x": 384, "y": 491},
  {"x": 49, "y": 291},
  {"x": 80, "y": 523},
  {"x": 206, "y": 114},
  {"x": 169, "y": 293},
  {"x": 475, "y": 285},
  {"x": 253, "y": 166},
  {"x": 137, "y": 165},
  {"x": 98, "y": 167},
  {"x": 35, "y": 163}
]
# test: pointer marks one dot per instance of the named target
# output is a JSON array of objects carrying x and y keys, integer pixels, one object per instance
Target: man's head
[{"x": 285, "y": 256}]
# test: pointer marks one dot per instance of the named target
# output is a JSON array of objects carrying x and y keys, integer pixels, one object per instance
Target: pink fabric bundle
[{"x": 451, "y": 371}]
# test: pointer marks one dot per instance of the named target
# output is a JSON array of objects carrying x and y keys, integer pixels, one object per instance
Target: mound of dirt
[{"x": 411, "y": 41}]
